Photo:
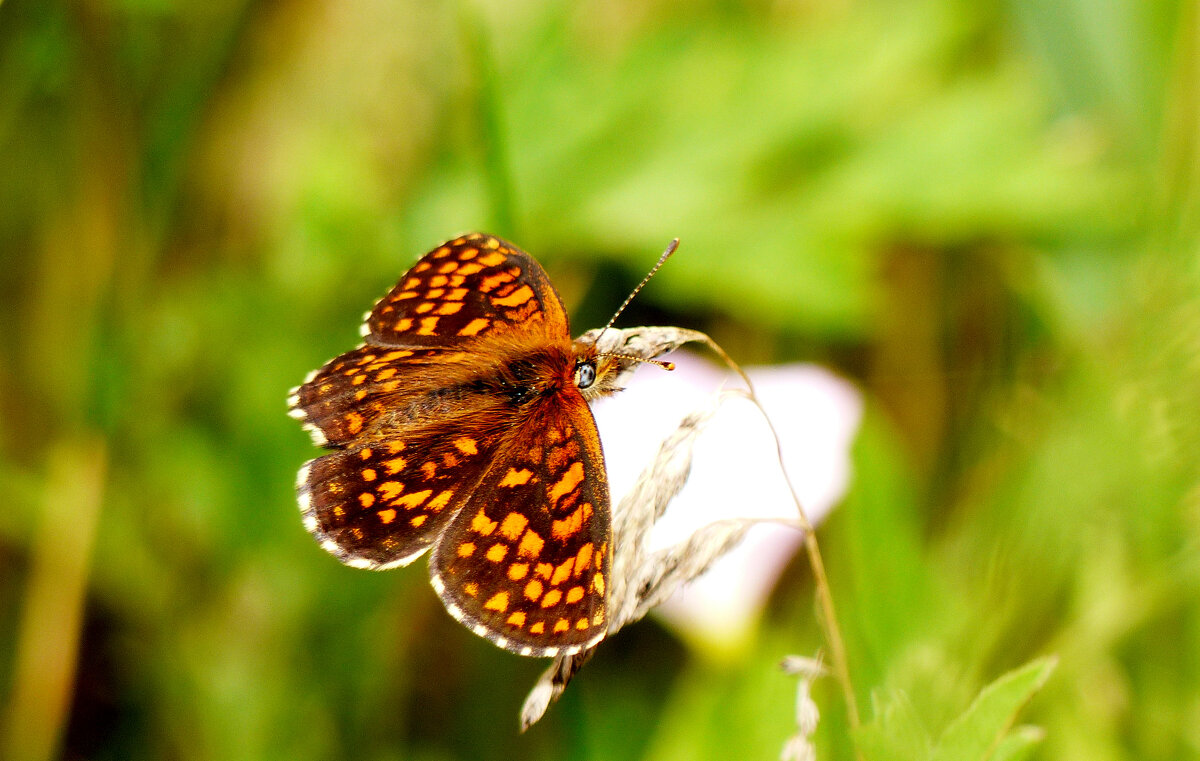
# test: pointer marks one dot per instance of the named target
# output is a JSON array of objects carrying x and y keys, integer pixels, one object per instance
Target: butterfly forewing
[
  {"x": 524, "y": 562},
  {"x": 466, "y": 288},
  {"x": 342, "y": 401}
]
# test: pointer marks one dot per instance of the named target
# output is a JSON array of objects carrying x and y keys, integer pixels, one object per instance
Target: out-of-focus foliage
[{"x": 983, "y": 213}]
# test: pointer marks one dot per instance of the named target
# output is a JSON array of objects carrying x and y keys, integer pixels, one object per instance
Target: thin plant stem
[
  {"x": 48, "y": 635},
  {"x": 833, "y": 634}
]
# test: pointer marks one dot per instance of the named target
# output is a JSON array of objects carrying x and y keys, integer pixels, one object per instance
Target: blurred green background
[{"x": 982, "y": 213}]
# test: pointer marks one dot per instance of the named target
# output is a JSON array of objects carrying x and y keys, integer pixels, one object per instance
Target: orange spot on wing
[
  {"x": 551, "y": 599},
  {"x": 354, "y": 422},
  {"x": 516, "y": 298},
  {"x": 533, "y": 590},
  {"x": 574, "y": 594},
  {"x": 531, "y": 545},
  {"x": 563, "y": 572},
  {"x": 387, "y": 516},
  {"x": 481, "y": 524},
  {"x": 518, "y": 571},
  {"x": 450, "y": 307},
  {"x": 466, "y": 445},
  {"x": 403, "y": 325},
  {"x": 440, "y": 501},
  {"x": 428, "y": 326},
  {"x": 581, "y": 624},
  {"x": 497, "y": 552},
  {"x": 456, "y": 295},
  {"x": 491, "y": 260},
  {"x": 368, "y": 474},
  {"x": 474, "y": 327},
  {"x": 466, "y": 549},
  {"x": 569, "y": 481},
  {"x": 498, "y": 602},
  {"x": 471, "y": 589},
  {"x": 513, "y": 525},
  {"x": 366, "y": 499},
  {"x": 598, "y": 583},
  {"x": 492, "y": 282},
  {"x": 583, "y": 559},
  {"x": 516, "y": 477},
  {"x": 517, "y": 619},
  {"x": 389, "y": 490},
  {"x": 545, "y": 570},
  {"x": 562, "y": 625},
  {"x": 394, "y": 465},
  {"x": 412, "y": 500},
  {"x": 417, "y": 520},
  {"x": 570, "y": 525},
  {"x": 538, "y": 628}
]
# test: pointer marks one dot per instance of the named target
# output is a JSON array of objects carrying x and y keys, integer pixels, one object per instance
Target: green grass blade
[{"x": 978, "y": 732}]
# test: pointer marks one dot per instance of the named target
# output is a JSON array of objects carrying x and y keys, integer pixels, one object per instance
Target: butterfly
[{"x": 461, "y": 428}]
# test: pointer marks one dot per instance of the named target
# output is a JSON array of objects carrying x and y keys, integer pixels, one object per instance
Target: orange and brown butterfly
[{"x": 462, "y": 426}]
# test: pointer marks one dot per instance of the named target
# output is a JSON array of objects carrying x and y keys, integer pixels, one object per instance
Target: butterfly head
[{"x": 600, "y": 373}]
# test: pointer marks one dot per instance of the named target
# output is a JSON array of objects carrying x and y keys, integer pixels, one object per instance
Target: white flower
[{"x": 735, "y": 474}]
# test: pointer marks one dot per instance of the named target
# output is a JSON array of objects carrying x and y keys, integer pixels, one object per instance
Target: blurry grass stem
[
  {"x": 829, "y": 619},
  {"x": 52, "y": 615}
]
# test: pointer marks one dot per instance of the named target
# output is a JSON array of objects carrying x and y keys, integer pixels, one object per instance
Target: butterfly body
[{"x": 461, "y": 426}]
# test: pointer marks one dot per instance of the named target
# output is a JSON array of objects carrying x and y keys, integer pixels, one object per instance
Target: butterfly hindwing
[
  {"x": 467, "y": 288},
  {"x": 524, "y": 562},
  {"x": 382, "y": 503}
]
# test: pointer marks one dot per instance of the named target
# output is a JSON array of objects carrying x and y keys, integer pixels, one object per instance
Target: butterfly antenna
[
  {"x": 661, "y": 363},
  {"x": 661, "y": 260},
  {"x": 674, "y": 244}
]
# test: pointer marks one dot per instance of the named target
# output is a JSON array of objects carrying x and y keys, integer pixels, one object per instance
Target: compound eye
[{"x": 585, "y": 374}]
